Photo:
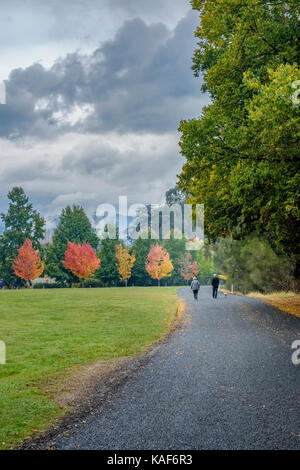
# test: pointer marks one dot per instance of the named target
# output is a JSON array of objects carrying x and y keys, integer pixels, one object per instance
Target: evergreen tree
[
  {"x": 252, "y": 265},
  {"x": 176, "y": 249},
  {"x": 139, "y": 275},
  {"x": 21, "y": 222},
  {"x": 108, "y": 272},
  {"x": 175, "y": 196}
]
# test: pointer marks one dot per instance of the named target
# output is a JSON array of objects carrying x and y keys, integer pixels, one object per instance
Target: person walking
[
  {"x": 215, "y": 285},
  {"x": 195, "y": 286}
]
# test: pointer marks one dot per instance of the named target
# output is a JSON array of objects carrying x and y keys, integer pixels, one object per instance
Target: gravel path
[{"x": 223, "y": 381}]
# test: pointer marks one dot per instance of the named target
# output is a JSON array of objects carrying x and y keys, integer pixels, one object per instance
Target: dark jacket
[{"x": 215, "y": 282}]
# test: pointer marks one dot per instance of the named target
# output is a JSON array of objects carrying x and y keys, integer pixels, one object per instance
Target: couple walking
[{"x": 195, "y": 286}]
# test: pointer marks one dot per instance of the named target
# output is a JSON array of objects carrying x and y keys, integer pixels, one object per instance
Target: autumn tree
[
  {"x": 158, "y": 264},
  {"x": 21, "y": 221},
  {"x": 28, "y": 264},
  {"x": 73, "y": 226},
  {"x": 125, "y": 262},
  {"x": 81, "y": 260},
  {"x": 188, "y": 267}
]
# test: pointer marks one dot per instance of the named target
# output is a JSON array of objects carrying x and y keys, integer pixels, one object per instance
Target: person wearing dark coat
[
  {"x": 215, "y": 285},
  {"x": 195, "y": 286}
]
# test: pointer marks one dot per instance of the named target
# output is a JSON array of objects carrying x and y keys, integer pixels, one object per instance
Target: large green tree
[
  {"x": 141, "y": 248},
  {"x": 242, "y": 154},
  {"x": 21, "y": 222},
  {"x": 176, "y": 247},
  {"x": 108, "y": 272},
  {"x": 73, "y": 226}
]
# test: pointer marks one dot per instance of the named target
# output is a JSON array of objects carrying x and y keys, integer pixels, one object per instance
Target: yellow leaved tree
[{"x": 125, "y": 262}]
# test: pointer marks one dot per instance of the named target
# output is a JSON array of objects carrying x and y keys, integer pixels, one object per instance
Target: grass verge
[
  {"x": 288, "y": 302},
  {"x": 50, "y": 333}
]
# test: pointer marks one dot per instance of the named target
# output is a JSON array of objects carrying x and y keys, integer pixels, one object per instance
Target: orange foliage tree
[
  {"x": 158, "y": 264},
  {"x": 125, "y": 262},
  {"x": 28, "y": 264},
  {"x": 188, "y": 269},
  {"x": 81, "y": 260}
]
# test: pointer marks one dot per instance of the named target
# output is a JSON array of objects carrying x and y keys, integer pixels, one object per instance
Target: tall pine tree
[
  {"x": 139, "y": 275},
  {"x": 21, "y": 222},
  {"x": 108, "y": 272}
]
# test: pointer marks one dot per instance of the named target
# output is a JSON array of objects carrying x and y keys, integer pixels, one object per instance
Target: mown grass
[{"x": 47, "y": 332}]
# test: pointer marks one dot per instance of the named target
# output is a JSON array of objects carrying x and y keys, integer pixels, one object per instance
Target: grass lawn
[{"x": 48, "y": 332}]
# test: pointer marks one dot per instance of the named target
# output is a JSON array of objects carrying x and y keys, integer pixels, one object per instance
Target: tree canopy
[{"x": 242, "y": 154}]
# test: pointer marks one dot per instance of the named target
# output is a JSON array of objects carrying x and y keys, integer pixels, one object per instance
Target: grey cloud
[
  {"x": 28, "y": 172},
  {"x": 91, "y": 159},
  {"x": 93, "y": 173},
  {"x": 76, "y": 23},
  {"x": 140, "y": 81},
  {"x": 136, "y": 88}
]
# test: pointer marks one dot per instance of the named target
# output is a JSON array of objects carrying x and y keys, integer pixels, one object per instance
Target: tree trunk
[
  {"x": 297, "y": 274},
  {"x": 158, "y": 283},
  {"x": 125, "y": 282}
]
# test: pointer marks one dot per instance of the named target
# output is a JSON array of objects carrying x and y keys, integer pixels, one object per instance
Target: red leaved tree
[
  {"x": 158, "y": 264},
  {"x": 28, "y": 264},
  {"x": 188, "y": 269},
  {"x": 81, "y": 260}
]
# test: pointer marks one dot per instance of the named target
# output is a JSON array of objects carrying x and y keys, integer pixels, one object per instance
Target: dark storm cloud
[{"x": 138, "y": 82}]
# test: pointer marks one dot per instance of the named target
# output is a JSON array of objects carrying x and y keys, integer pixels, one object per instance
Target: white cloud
[{"x": 74, "y": 115}]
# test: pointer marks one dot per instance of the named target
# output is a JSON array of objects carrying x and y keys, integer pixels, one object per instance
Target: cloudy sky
[{"x": 95, "y": 93}]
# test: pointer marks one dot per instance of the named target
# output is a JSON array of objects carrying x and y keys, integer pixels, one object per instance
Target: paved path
[{"x": 224, "y": 381}]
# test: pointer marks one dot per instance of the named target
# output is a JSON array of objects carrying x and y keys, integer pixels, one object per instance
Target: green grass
[{"x": 48, "y": 332}]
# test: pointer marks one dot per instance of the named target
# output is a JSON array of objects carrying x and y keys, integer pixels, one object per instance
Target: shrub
[
  {"x": 89, "y": 282},
  {"x": 253, "y": 265},
  {"x": 47, "y": 285}
]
